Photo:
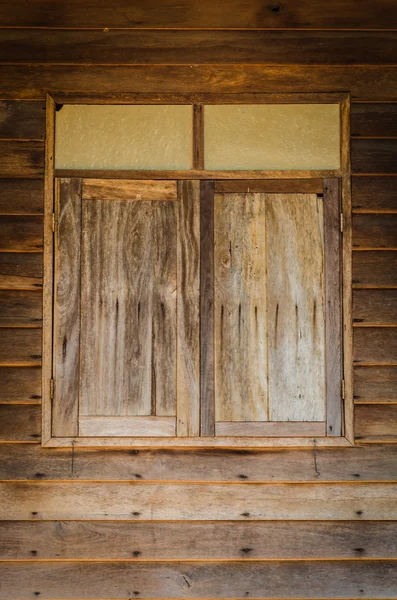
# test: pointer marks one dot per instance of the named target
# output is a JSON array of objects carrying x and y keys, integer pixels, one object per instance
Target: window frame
[{"x": 277, "y": 181}]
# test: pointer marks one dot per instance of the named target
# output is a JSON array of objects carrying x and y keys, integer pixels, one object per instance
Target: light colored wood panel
[
  {"x": 147, "y": 501},
  {"x": 20, "y": 385},
  {"x": 375, "y": 384},
  {"x": 21, "y": 271},
  {"x": 32, "y": 82},
  {"x": 288, "y": 428},
  {"x": 20, "y": 347},
  {"x": 136, "y": 426},
  {"x": 240, "y": 308},
  {"x": 188, "y": 302},
  {"x": 20, "y": 308},
  {"x": 66, "y": 340},
  {"x": 130, "y": 541},
  {"x": 19, "y": 423},
  {"x": 296, "y": 307},
  {"x": 128, "y": 335},
  {"x": 291, "y": 579},
  {"x": 333, "y": 313},
  {"x": 101, "y": 189}
]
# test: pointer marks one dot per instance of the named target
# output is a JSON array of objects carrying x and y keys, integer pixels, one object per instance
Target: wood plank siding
[{"x": 224, "y": 523}]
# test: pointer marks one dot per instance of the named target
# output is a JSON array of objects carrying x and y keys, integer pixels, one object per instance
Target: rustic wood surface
[
  {"x": 284, "y": 429},
  {"x": 374, "y": 120},
  {"x": 117, "y": 189},
  {"x": 20, "y": 308},
  {"x": 21, "y": 196},
  {"x": 375, "y": 269},
  {"x": 375, "y": 345},
  {"x": 130, "y": 541},
  {"x": 20, "y": 347},
  {"x": 19, "y": 157},
  {"x": 127, "y": 426},
  {"x": 20, "y": 385},
  {"x": 374, "y": 194},
  {"x": 21, "y": 234},
  {"x": 373, "y": 156},
  {"x": 21, "y": 271},
  {"x": 198, "y": 14},
  {"x": 374, "y": 231},
  {"x": 375, "y": 307},
  {"x": 378, "y": 422},
  {"x": 20, "y": 423},
  {"x": 197, "y": 502},
  {"x": 278, "y": 186},
  {"x": 22, "y": 120},
  {"x": 375, "y": 384}
]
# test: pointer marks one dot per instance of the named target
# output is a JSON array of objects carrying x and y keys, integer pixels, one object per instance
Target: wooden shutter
[{"x": 126, "y": 322}]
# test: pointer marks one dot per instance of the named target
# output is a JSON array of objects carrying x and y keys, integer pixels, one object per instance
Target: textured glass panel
[
  {"x": 123, "y": 137},
  {"x": 272, "y": 136}
]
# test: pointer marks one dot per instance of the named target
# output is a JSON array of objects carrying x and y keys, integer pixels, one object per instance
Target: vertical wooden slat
[
  {"x": 198, "y": 136},
  {"x": 333, "y": 325},
  {"x": 241, "y": 389},
  {"x": 48, "y": 269},
  {"x": 188, "y": 328},
  {"x": 296, "y": 307},
  {"x": 207, "y": 411},
  {"x": 67, "y": 308}
]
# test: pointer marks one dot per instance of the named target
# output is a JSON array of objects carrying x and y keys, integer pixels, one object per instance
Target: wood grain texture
[
  {"x": 146, "y": 501},
  {"x": 375, "y": 307},
  {"x": 121, "y": 189},
  {"x": 378, "y": 463},
  {"x": 21, "y": 234},
  {"x": 21, "y": 271},
  {"x": 20, "y": 385},
  {"x": 20, "y": 347},
  {"x": 374, "y": 120},
  {"x": 374, "y": 231},
  {"x": 375, "y": 384},
  {"x": 21, "y": 196},
  {"x": 374, "y": 193},
  {"x": 373, "y": 156},
  {"x": 195, "y": 14},
  {"x": 240, "y": 308},
  {"x": 96, "y": 540},
  {"x": 21, "y": 159},
  {"x": 188, "y": 299},
  {"x": 193, "y": 47},
  {"x": 333, "y": 313},
  {"x": 128, "y": 344},
  {"x": 276, "y": 429},
  {"x": 32, "y": 82},
  {"x": 375, "y": 269},
  {"x": 66, "y": 308},
  {"x": 22, "y": 120},
  {"x": 278, "y": 186},
  {"x": 299, "y": 579},
  {"x": 20, "y": 423},
  {"x": 20, "y": 308},
  {"x": 375, "y": 345},
  {"x": 296, "y": 310},
  {"x": 207, "y": 391},
  {"x": 127, "y": 426},
  {"x": 376, "y": 421}
]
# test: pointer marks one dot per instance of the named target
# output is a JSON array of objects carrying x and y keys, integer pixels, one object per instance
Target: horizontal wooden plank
[
  {"x": 375, "y": 269},
  {"x": 21, "y": 308},
  {"x": 173, "y": 501},
  {"x": 21, "y": 159},
  {"x": 21, "y": 233},
  {"x": 375, "y": 345},
  {"x": 375, "y": 231},
  {"x": 124, "y": 426},
  {"x": 20, "y": 384},
  {"x": 287, "y": 428},
  {"x": 374, "y": 193},
  {"x": 101, "y": 189},
  {"x": 20, "y": 423},
  {"x": 21, "y": 196},
  {"x": 96, "y": 540},
  {"x": 377, "y": 421},
  {"x": 32, "y": 82},
  {"x": 277, "y": 186},
  {"x": 202, "y": 14},
  {"x": 194, "y": 47},
  {"x": 340, "y": 464},
  {"x": 373, "y": 156},
  {"x": 376, "y": 307},
  {"x": 22, "y": 120},
  {"x": 20, "y": 347},
  {"x": 296, "y": 579},
  {"x": 373, "y": 120},
  {"x": 375, "y": 384},
  {"x": 21, "y": 271}
]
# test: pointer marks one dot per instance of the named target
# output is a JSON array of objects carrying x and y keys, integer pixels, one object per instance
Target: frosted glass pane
[
  {"x": 123, "y": 137},
  {"x": 272, "y": 136}
]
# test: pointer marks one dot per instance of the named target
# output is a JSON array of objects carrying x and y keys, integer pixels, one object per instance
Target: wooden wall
[{"x": 199, "y": 524}]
